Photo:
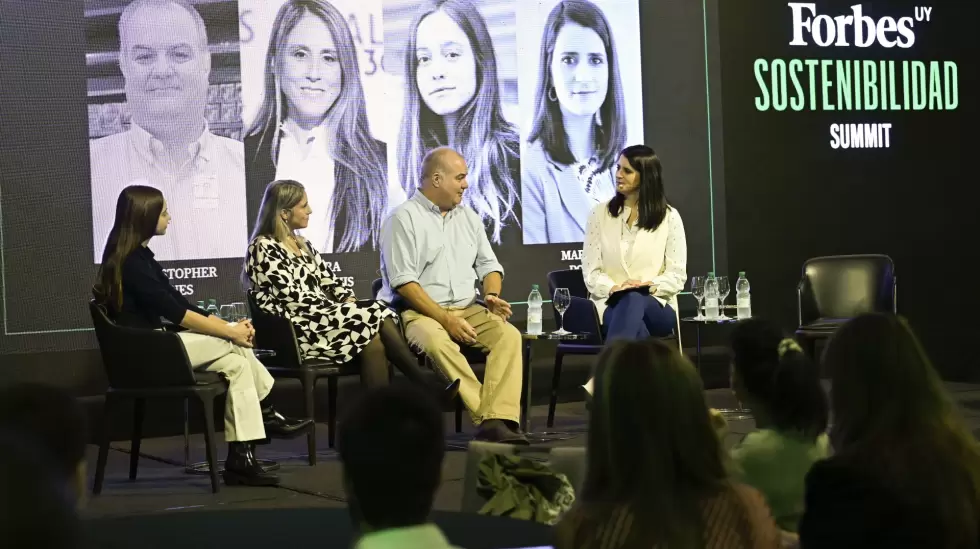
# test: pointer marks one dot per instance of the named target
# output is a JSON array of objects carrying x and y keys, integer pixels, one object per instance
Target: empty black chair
[
  {"x": 142, "y": 364},
  {"x": 835, "y": 289},
  {"x": 278, "y": 334}
]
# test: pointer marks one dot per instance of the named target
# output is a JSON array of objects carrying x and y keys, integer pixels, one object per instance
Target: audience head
[
  {"x": 894, "y": 422},
  {"x": 391, "y": 445},
  {"x": 444, "y": 177},
  {"x": 776, "y": 378},
  {"x": 141, "y": 214},
  {"x": 37, "y": 508},
  {"x": 165, "y": 61},
  {"x": 639, "y": 175},
  {"x": 651, "y": 442},
  {"x": 884, "y": 387},
  {"x": 54, "y": 421}
]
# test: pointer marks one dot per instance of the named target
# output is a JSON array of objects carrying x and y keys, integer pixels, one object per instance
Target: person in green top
[{"x": 775, "y": 379}]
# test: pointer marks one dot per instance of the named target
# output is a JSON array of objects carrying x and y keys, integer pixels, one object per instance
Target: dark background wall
[{"x": 791, "y": 197}]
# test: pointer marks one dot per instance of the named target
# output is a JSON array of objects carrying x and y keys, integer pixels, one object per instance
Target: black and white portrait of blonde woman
[
  {"x": 310, "y": 119},
  {"x": 581, "y": 117},
  {"x": 459, "y": 82}
]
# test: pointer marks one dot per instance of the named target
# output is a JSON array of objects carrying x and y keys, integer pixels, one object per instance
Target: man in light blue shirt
[{"x": 432, "y": 252}]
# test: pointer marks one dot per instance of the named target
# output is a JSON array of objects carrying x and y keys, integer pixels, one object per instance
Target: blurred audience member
[
  {"x": 391, "y": 445},
  {"x": 656, "y": 473},
  {"x": 776, "y": 380},
  {"x": 55, "y": 422},
  {"x": 905, "y": 470},
  {"x": 37, "y": 507}
]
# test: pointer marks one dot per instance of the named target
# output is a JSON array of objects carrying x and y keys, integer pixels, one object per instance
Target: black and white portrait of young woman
[
  {"x": 581, "y": 98},
  {"x": 313, "y": 100},
  {"x": 455, "y": 64},
  {"x": 164, "y": 112}
]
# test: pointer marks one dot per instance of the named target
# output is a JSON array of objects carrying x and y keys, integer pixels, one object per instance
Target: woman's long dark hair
[
  {"x": 486, "y": 140},
  {"x": 895, "y": 423},
  {"x": 652, "y": 202},
  {"x": 138, "y": 211},
  {"x": 651, "y": 445},
  {"x": 780, "y": 378},
  {"x": 362, "y": 174},
  {"x": 548, "y": 125}
]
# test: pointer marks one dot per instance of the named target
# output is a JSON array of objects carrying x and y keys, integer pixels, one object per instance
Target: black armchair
[
  {"x": 278, "y": 334},
  {"x": 473, "y": 356},
  {"x": 835, "y": 289},
  {"x": 143, "y": 364}
]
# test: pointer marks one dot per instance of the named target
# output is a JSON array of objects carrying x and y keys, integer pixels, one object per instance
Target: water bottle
[
  {"x": 201, "y": 305},
  {"x": 212, "y": 308},
  {"x": 742, "y": 299},
  {"x": 711, "y": 297},
  {"x": 534, "y": 303}
]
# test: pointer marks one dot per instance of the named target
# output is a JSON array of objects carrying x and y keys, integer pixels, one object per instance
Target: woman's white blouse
[{"x": 667, "y": 258}]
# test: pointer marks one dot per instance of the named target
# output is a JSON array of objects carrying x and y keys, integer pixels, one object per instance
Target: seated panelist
[
  {"x": 433, "y": 250},
  {"x": 292, "y": 281},
  {"x": 136, "y": 293},
  {"x": 635, "y": 243}
]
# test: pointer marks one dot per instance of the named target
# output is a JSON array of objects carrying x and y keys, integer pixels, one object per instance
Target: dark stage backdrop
[
  {"x": 801, "y": 181},
  {"x": 67, "y": 102}
]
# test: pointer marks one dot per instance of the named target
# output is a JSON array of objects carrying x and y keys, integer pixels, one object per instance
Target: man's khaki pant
[{"x": 499, "y": 397}]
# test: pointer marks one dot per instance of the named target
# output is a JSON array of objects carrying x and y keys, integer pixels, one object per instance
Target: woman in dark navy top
[{"x": 137, "y": 293}]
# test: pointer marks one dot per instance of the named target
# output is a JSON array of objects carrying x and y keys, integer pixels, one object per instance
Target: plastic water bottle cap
[
  {"x": 711, "y": 273},
  {"x": 741, "y": 273},
  {"x": 534, "y": 286}
]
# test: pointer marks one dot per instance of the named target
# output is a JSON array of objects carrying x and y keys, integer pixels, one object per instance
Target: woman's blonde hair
[{"x": 280, "y": 196}]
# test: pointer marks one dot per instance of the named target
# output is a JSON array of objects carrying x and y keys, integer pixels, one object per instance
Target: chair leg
[
  {"x": 309, "y": 402},
  {"x": 139, "y": 407},
  {"x": 103, "y": 446},
  {"x": 207, "y": 402},
  {"x": 331, "y": 410},
  {"x": 555, "y": 381},
  {"x": 459, "y": 415}
]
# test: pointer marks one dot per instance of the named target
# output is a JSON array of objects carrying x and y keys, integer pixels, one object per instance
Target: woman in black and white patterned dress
[{"x": 291, "y": 280}]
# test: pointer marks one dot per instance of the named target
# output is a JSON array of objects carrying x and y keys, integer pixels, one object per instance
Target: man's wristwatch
[{"x": 493, "y": 294}]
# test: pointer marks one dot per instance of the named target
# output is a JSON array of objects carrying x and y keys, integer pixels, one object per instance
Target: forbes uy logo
[{"x": 825, "y": 31}]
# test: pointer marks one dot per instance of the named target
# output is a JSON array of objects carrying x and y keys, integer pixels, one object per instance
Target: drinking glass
[
  {"x": 561, "y": 301},
  {"x": 241, "y": 311},
  {"x": 697, "y": 290},
  {"x": 723, "y": 291},
  {"x": 227, "y": 313}
]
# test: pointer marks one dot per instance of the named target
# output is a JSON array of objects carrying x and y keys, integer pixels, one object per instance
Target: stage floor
[{"x": 162, "y": 485}]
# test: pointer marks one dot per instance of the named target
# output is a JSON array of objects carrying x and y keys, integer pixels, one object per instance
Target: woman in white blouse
[{"x": 635, "y": 243}]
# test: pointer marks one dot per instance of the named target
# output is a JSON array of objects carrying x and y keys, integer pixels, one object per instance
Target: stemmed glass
[
  {"x": 241, "y": 311},
  {"x": 227, "y": 313},
  {"x": 561, "y": 301},
  {"x": 697, "y": 290},
  {"x": 723, "y": 291}
]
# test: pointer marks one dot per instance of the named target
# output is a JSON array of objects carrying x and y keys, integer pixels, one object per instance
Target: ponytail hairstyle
[
  {"x": 138, "y": 210},
  {"x": 778, "y": 377}
]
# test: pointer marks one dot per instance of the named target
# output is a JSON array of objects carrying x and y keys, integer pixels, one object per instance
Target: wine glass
[
  {"x": 697, "y": 290},
  {"x": 227, "y": 313},
  {"x": 561, "y": 301},
  {"x": 241, "y": 311},
  {"x": 723, "y": 291}
]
